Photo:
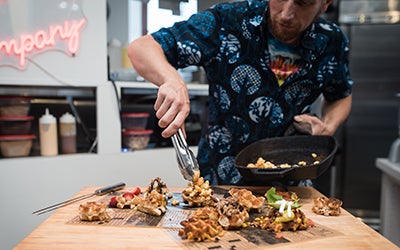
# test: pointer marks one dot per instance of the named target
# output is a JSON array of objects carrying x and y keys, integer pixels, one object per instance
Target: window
[{"x": 158, "y": 17}]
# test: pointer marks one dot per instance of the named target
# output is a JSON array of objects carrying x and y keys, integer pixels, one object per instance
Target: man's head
[{"x": 288, "y": 19}]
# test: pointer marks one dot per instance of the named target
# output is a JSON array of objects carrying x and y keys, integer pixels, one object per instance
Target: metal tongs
[
  {"x": 101, "y": 191},
  {"x": 187, "y": 161}
]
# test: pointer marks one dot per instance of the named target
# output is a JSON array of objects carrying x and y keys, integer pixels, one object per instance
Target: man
[{"x": 266, "y": 62}]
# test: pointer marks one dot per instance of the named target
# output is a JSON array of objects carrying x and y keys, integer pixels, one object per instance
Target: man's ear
[{"x": 325, "y": 5}]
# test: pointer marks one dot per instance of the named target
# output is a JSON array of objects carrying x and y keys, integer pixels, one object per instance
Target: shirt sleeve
[
  {"x": 341, "y": 85},
  {"x": 191, "y": 42}
]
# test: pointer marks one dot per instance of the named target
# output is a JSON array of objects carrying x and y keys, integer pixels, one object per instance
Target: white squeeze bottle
[
  {"x": 68, "y": 133},
  {"x": 48, "y": 134}
]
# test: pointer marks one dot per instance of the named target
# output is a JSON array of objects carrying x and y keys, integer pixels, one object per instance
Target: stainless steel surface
[
  {"x": 369, "y": 11},
  {"x": 394, "y": 154},
  {"x": 187, "y": 161},
  {"x": 47, "y": 91},
  {"x": 390, "y": 200},
  {"x": 372, "y": 125},
  {"x": 100, "y": 191}
]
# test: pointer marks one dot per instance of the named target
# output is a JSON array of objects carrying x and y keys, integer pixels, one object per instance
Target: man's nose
[{"x": 288, "y": 10}]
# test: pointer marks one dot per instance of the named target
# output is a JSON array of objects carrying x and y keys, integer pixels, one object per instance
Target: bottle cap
[
  {"x": 47, "y": 117},
  {"x": 67, "y": 118},
  {"x": 114, "y": 43}
]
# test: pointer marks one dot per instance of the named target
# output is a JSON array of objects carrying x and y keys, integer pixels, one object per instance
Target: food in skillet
[{"x": 262, "y": 163}]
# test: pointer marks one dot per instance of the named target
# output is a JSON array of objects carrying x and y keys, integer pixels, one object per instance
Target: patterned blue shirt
[{"x": 246, "y": 104}]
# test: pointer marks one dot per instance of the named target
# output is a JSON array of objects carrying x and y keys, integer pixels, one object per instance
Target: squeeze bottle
[
  {"x": 48, "y": 134},
  {"x": 68, "y": 133}
]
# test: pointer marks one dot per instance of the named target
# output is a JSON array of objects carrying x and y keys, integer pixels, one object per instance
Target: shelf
[{"x": 47, "y": 91}]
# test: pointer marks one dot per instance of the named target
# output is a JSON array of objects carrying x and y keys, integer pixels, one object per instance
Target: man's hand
[
  {"x": 172, "y": 104},
  {"x": 172, "y": 107},
  {"x": 313, "y": 123}
]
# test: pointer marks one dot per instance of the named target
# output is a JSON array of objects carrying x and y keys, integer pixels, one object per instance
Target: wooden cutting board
[{"x": 129, "y": 231}]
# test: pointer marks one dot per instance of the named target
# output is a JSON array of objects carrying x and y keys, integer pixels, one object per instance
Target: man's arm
[
  {"x": 333, "y": 115},
  {"x": 172, "y": 104}
]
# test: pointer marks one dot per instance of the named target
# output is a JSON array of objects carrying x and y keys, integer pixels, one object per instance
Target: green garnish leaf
[{"x": 271, "y": 195}]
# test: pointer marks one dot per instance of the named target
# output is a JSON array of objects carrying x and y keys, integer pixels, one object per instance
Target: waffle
[{"x": 95, "y": 211}]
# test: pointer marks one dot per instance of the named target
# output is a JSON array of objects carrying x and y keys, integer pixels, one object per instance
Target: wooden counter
[{"x": 57, "y": 233}]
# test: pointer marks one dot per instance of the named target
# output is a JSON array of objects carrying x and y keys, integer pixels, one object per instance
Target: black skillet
[{"x": 290, "y": 150}]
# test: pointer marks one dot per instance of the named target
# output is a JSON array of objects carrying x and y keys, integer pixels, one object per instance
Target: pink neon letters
[{"x": 27, "y": 43}]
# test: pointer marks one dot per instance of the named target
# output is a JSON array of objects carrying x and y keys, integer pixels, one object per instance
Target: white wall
[{"x": 54, "y": 66}]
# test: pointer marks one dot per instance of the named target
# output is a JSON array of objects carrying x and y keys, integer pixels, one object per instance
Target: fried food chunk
[
  {"x": 153, "y": 201},
  {"x": 206, "y": 213},
  {"x": 327, "y": 206},
  {"x": 95, "y": 211},
  {"x": 261, "y": 163},
  {"x": 247, "y": 199},
  {"x": 160, "y": 186},
  {"x": 231, "y": 213},
  {"x": 174, "y": 202},
  {"x": 288, "y": 195},
  {"x": 272, "y": 221},
  {"x": 198, "y": 192}
]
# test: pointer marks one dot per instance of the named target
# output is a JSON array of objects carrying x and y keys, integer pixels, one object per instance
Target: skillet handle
[{"x": 263, "y": 171}]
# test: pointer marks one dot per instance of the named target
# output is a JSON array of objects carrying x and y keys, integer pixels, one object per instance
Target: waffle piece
[
  {"x": 247, "y": 199},
  {"x": 200, "y": 230},
  {"x": 95, "y": 211}
]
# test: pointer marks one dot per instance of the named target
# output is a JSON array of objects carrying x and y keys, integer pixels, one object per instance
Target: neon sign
[{"x": 43, "y": 39}]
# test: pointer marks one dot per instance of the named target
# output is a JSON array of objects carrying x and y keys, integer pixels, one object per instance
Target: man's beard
[{"x": 290, "y": 35}]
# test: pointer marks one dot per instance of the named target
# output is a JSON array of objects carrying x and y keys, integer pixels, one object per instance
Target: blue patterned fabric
[{"x": 245, "y": 101}]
